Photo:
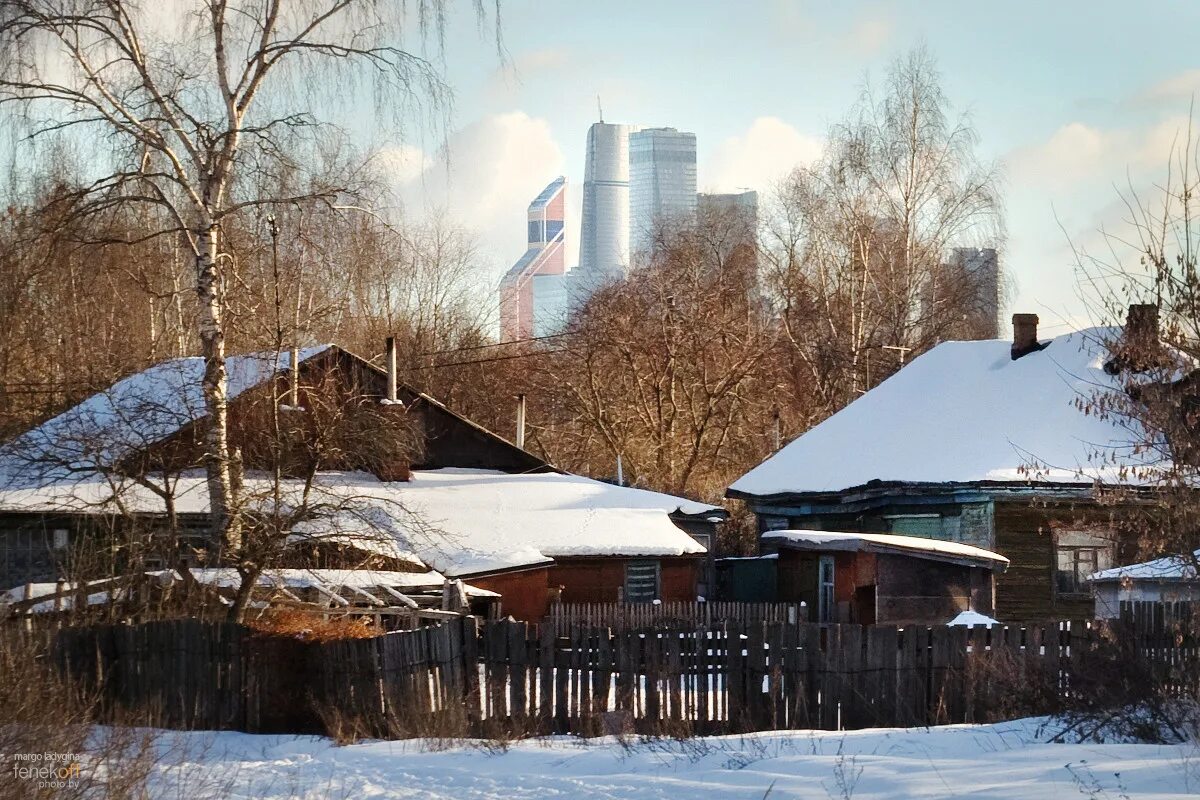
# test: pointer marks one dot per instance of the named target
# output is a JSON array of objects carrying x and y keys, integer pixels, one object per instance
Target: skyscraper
[
  {"x": 662, "y": 182},
  {"x": 545, "y": 256},
  {"x": 604, "y": 228},
  {"x": 737, "y": 213}
]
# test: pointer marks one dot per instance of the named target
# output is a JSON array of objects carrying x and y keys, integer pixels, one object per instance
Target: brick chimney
[{"x": 1025, "y": 335}]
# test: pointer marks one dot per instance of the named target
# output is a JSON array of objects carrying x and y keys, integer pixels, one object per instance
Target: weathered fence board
[{"x": 662, "y": 678}]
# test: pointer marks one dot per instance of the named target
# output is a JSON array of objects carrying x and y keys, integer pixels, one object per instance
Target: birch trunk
[{"x": 222, "y": 503}]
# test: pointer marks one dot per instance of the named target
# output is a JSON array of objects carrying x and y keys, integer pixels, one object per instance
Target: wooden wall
[
  {"x": 920, "y": 591},
  {"x": 1024, "y": 535},
  {"x": 597, "y": 580},
  {"x": 887, "y": 589},
  {"x": 524, "y": 594}
]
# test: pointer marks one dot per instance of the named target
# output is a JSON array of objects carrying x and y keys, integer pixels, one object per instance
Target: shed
[
  {"x": 873, "y": 578},
  {"x": 1169, "y": 579}
]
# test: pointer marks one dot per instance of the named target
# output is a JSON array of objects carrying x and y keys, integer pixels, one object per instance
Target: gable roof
[
  {"x": 134, "y": 413},
  {"x": 963, "y": 412},
  {"x": 151, "y": 406}
]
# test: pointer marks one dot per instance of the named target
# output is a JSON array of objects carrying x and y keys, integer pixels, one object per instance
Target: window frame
[{"x": 633, "y": 564}]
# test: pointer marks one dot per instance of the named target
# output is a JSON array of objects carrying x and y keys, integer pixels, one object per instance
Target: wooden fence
[
  {"x": 619, "y": 616},
  {"x": 465, "y": 676}
]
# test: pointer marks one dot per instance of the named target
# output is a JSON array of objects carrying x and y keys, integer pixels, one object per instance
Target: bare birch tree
[
  {"x": 187, "y": 98},
  {"x": 857, "y": 249}
]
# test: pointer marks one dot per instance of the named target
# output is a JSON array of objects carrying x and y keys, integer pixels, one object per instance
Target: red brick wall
[{"x": 524, "y": 594}]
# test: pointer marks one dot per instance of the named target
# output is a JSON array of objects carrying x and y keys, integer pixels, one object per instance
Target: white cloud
[
  {"x": 870, "y": 34},
  {"x": 505, "y": 82},
  {"x": 1067, "y": 196},
  {"x": 1073, "y": 152},
  {"x": 1078, "y": 154},
  {"x": 758, "y": 159},
  {"x": 1178, "y": 88},
  {"x": 484, "y": 179}
]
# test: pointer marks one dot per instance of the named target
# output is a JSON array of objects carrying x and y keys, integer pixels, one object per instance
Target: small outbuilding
[
  {"x": 1170, "y": 579},
  {"x": 874, "y": 578}
]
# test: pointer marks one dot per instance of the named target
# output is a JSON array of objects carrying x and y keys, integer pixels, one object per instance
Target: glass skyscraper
[
  {"x": 604, "y": 227},
  {"x": 662, "y": 183},
  {"x": 544, "y": 256}
]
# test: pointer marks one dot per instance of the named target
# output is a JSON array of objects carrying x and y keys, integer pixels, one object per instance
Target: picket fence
[
  {"x": 564, "y": 616},
  {"x": 513, "y": 677}
]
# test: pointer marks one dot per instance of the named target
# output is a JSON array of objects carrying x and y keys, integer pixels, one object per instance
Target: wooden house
[
  {"x": 409, "y": 485},
  {"x": 871, "y": 578},
  {"x": 981, "y": 443}
]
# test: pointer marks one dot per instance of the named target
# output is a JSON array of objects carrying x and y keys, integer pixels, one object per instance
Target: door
[{"x": 825, "y": 602}]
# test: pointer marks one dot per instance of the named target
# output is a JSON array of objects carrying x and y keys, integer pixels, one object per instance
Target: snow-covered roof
[
  {"x": 1168, "y": 568},
  {"x": 971, "y": 619},
  {"x": 457, "y": 521},
  {"x": 469, "y": 521},
  {"x": 962, "y": 412},
  {"x": 933, "y": 549},
  {"x": 133, "y": 413},
  {"x": 334, "y": 579},
  {"x": 331, "y": 582}
]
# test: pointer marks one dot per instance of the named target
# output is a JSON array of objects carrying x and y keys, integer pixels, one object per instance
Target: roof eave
[{"x": 867, "y": 546}]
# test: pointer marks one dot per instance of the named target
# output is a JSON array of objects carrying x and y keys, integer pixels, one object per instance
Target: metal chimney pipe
[
  {"x": 391, "y": 369},
  {"x": 521, "y": 421}
]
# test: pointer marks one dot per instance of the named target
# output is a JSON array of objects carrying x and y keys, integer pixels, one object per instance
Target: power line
[
  {"x": 497, "y": 344},
  {"x": 509, "y": 357}
]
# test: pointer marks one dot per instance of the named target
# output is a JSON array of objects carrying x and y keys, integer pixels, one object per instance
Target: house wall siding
[
  {"x": 598, "y": 580},
  {"x": 524, "y": 594}
]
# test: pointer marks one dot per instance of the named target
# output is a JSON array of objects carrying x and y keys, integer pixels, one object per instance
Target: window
[
  {"x": 825, "y": 601},
  {"x": 61, "y": 538},
  {"x": 641, "y": 581},
  {"x": 1077, "y": 555}
]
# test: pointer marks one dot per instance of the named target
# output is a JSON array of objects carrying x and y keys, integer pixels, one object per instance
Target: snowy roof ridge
[
  {"x": 135, "y": 412},
  {"x": 963, "y": 412},
  {"x": 920, "y": 547}
]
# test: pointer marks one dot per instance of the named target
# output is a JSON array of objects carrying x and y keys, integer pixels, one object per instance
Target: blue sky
[{"x": 1073, "y": 99}]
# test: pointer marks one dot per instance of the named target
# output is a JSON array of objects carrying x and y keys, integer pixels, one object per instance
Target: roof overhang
[
  {"x": 949, "y": 491},
  {"x": 886, "y": 544}
]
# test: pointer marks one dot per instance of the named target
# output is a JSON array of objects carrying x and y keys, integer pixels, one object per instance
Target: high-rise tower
[
  {"x": 662, "y": 182},
  {"x": 545, "y": 256},
  {"x": 604, "y": 228}
]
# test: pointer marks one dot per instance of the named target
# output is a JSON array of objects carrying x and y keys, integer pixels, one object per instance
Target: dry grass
[{"x": 310, "y": 627}]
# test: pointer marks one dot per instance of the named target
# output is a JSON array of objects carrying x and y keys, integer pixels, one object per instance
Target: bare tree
[
  {"x": 189, "y": 100},
  {"x": 857, "y": 249},
  {"x": 1143, "y": 286},
  {"x": 670, "y": 370}
]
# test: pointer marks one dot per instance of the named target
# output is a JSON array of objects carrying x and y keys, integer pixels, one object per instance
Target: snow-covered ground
[{"x": 1009, "y": 760}]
